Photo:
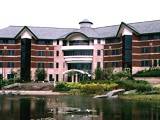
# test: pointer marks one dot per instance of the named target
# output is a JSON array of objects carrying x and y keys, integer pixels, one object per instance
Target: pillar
[
  {"x": 72, "y": 78},
  {"x": 76, "y": 78}
]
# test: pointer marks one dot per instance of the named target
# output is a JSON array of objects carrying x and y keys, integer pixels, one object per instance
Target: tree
[
  {"x": 40, "y": 74},
  {"x": 103, "y": 74},
  {"x": 98, "y": 74}
]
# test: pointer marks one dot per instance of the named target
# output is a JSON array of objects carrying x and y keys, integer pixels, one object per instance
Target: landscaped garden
[{"x": 106, "y": 80}]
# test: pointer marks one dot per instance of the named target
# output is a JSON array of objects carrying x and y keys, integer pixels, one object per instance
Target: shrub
[
  {"x": 152, "y": 72},
  {"x": 92, "y": 88},
  {"x": 139, "y": 85},
  {"x": 73, "y": 85},
  {"x": 97, "y": 88},
  {"x": 62, "y": 87},
  {"x": 40, "y": 74}
]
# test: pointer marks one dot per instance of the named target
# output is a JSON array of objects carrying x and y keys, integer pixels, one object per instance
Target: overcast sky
[{"x": 68, "y": 13}]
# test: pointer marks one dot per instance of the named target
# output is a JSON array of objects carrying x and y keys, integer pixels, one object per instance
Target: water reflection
[{"x": 75, "y": 108}]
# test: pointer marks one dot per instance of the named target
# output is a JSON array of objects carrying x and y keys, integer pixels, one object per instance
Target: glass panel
[
  {"x": 78, "y": 52},
  {"x": 79, "y": 42}
]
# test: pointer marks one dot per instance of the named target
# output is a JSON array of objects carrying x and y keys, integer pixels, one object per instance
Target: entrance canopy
[{"x": 76, "y": 70}]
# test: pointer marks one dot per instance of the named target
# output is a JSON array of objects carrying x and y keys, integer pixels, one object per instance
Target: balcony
[
  {"x": 77, "y": 59},
  {"x": 79, "y": 47}
]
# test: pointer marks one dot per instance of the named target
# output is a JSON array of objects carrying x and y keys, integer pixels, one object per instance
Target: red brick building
[{"x": 134, "y": 46}]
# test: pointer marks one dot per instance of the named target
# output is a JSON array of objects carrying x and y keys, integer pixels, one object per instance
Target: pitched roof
[
  {"x": 147, "y": 27},
  {"x": 10, "y": 32},
  {"x": 99, "y": 32}
]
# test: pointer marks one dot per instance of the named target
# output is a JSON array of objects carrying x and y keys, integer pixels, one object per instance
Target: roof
[{"x": 99, "y": 32}]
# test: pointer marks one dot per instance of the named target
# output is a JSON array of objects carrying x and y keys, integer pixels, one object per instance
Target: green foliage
[
  {"x": 6, "y": 82},
  {"x": 139, "y": 85},
  {"x": 123, "y": 75},
  {"x": 91, "y": 88},
  {"x": 73, "y": 85},
  {"x": 62, "y": 87},
  {"x": 101, "y": 74},
  {"x": 98, "y": 74},
  {"x": 151, "y": 72},
  {"x": 40, "y": 74}
]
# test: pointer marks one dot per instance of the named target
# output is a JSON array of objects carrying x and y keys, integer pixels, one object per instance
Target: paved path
[{"x": 20, "y": 92}]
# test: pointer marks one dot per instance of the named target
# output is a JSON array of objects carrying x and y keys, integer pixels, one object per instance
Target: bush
[
  {"x": 139, "y": 85},
  {"x": 73, "y": 85},
  {"x": 62, "y": 87},
  {"x": 152, "y": 72},
  {"x": 40, "y": 74},
  {"x": 92, "y": 88}
]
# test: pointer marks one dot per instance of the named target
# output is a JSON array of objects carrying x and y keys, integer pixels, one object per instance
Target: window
[
  {"x": 112, "y": 40},
  {"x": 99, "y": 41},
  {"x": 10, "y": 76},
  {"x": 98, "y": 52},
  {"x": 105, "y": 52},
  {"x": 1, "y": 52},
  {"x": 11, "y": 41},
  {"x": 150, "y": 36},
  {"x": 1, "y": 64},
  {"x": 40, "y": 65},
  {"x": 50, "y": 65},
  {"x": 10, "y": 52},
  {"x": 51, "y": 77},
  {"x": 114, "y": 64},
  {"x": 50, "y": 53},
  {"x": 10, "y": 64},
  {"x": 57, "y": 53},
  {"x": 155, "y": 63},
  {"x": 79, "y": 42},
  {"x": 145, "y": 50},
  {"x": 157, "y": 49},
  {"x": 57, "y": 77},
  {"x": 78, "y": 52},
  {"x": 98, "y": 64},
  {"x": 144, "y": 37},
  {"x": 57, "y": 42},
  {"x": 44, "y": 42},
  {"x": 158, "y": 62},
  {"x": 145, "y": 63},
  {"x": 156, "y": 36},
  {"x": 57, "y": 65},
  {"x": 64, "y": 42},
  {"x": 6, "y": 41},
  {"x": 41, "y": 53},
  {"x": 105, "y": 65},
  {"x": 115, "y": 52},
  {"x": 1, "y": 76}
]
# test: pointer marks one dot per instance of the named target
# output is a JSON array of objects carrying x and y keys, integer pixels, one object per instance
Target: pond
[{"x": 75, "y": 108}]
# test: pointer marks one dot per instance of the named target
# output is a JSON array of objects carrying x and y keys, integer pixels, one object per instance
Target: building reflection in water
[
  {"x": 75, "y": 108},
  {"x": 25, "y": 109}
]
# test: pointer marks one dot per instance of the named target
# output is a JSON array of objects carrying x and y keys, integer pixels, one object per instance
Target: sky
[{"x": 68, "y": 13}]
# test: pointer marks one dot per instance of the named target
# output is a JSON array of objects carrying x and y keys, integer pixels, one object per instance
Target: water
[{"x": 75, "y": 108}]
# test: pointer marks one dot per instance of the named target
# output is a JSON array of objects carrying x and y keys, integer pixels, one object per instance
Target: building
[{"x": 133, "y": 46}]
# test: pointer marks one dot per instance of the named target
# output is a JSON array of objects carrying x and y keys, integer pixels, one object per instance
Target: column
[
  {"x": 72, "y": 78},
  {"x": 76, "y": 78}
]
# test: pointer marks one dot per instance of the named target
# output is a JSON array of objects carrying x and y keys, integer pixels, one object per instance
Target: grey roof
[
  {"x": 147, "y": 27},
  {"x": 50, "y": 32},
  {"x": 10, "y": 32},
  {"x": 100, "y": 32},
  {"x": 108, "y": 31}
]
